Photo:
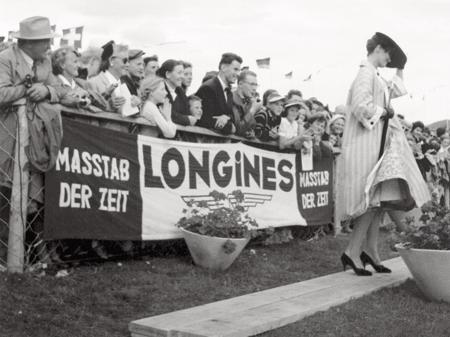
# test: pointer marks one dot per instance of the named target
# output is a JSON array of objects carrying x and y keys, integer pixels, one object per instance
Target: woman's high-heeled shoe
[
  {"x": 379, "y": 268},
  {"x": 346, "y": 261}
]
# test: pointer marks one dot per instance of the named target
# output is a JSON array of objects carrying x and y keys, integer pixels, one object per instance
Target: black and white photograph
[{"x": 225, "y": 168}]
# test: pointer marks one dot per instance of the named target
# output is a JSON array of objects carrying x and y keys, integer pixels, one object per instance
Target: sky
[{"x": 322, "y": 37}]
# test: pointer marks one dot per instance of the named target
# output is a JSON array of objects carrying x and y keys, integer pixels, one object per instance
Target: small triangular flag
[{"x": 263, "y": 63}]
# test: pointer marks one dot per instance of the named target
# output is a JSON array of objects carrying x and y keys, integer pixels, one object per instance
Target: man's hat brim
[
  {"x": 17, "y": 35},
  {"x": 398, "y": 57}
]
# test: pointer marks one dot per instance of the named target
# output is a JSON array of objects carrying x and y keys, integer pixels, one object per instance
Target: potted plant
[
  {"x": 425, "y": 249},
  {"x": 216, "y": 230}
]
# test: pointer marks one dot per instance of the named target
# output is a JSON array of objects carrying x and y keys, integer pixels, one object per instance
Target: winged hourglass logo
[{"x": 250, "y": 200}]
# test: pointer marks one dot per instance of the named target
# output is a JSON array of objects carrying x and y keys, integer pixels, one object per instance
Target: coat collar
[
  {"x": 22, "y": 67},
  {"x": 365, "y": 63}
]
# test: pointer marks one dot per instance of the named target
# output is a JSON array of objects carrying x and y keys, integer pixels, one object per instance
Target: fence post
[{"x": 19, "y": 194}]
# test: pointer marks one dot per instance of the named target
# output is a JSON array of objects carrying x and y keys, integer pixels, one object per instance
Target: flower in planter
[
  {"x": 225, "y": 217},
  {"x": 432, "y": 232}
]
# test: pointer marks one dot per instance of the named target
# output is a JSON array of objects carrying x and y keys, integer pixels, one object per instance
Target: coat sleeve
[
  {"x": 261, "y": 130},
  {"x": 180, "y": 110},
  {"x": 398, "y": 87},
  {"x": 208, "y": 105},
  {"x": 167, "y": 127},
  {"x": 362, "y": 104},
  {"x": 9, "y": 92}
]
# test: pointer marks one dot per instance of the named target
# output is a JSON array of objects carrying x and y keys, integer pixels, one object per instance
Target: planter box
[
  {"x": 208, "y": 252},
  {"x": 430, "y": 269}
]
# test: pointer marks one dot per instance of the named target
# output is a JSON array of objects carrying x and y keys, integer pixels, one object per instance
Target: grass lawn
[
  {"x": 394, "y": 312},
  {"x": 101, "y": 299}
]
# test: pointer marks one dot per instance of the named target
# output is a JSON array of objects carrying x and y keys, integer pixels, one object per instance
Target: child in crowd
[{"x": 195, "y": 106}]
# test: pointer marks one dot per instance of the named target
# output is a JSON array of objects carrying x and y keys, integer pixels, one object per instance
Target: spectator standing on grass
[
  {"x": 217, "y": 98},
  {"x": 172, "y": 73},
  {"x": 151, "y": 65},
  {"x": 268, "y": 119},
  {"x": 135, "y": 72},
  {"x": 245, "y": 104},
  {"x": 25, "y": 72},
  {"x": 157, "y": 108}
]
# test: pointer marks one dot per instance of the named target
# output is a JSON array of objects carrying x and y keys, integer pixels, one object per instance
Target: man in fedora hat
[{"x": 25, "y": 72}]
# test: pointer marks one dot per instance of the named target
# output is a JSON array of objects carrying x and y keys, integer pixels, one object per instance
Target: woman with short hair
[
  {"x": 172, "y": 72},
  {"x": 65, "y": 63}
]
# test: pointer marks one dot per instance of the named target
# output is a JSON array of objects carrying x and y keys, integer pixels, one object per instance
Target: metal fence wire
[{"x": 22, "y": 246}]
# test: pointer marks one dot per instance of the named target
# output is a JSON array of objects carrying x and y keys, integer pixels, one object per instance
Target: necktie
[{"x": 229, "y": 98}]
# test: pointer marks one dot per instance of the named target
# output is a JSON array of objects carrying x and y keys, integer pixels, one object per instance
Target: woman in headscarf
[{"x": 369, "y": 184}]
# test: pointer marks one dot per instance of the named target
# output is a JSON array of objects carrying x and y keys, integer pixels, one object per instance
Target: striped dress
[{"x": 363, "y": 181}]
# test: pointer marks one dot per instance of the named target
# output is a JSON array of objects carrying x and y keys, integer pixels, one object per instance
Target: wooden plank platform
[{"x": 255, "y": 313}]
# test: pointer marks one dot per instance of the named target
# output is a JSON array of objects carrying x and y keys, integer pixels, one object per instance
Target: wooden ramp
[{"x": 255, "y": 313}]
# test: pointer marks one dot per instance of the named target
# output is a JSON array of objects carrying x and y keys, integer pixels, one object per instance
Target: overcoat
[
  {"x": 359, "y": 181},
  {"x": 13, "y": 70}
]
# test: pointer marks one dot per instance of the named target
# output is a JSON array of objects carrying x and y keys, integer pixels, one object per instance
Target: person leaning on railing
[
  {"x": 156, "y": 108},
  {"x": 291, "y": 131},
  {"x": 172, "y": 73},
  {"x": 269, "y": 117},
  {"x": 25, "y": 72},
  {"x": 65, "y": 62}
]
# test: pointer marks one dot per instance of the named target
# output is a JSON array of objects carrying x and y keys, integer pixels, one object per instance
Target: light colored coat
[
  {"x": 362, "y": 140},
  {"x": 13, "y": 70}
]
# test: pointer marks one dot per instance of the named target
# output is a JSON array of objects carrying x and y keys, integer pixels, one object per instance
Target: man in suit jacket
[{"x": 217, "y": 98}]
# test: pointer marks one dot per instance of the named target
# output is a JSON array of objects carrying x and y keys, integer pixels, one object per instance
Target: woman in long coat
[{"x": 369, "y": 185}]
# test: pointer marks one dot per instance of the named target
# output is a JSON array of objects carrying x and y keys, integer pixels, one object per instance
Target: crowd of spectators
[
  {"x": 120, "y": 80},
  {"x": 227, "y": 102}
]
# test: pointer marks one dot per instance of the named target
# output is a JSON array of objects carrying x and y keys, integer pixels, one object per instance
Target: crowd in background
[{"x": 117, "y": 79}]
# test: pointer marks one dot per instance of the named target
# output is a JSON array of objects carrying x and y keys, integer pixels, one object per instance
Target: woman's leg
[
  {"x": 371, "y": 244},
  {"x": 358, "y": 236}
]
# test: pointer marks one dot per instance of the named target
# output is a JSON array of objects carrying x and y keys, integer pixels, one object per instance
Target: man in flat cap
[{"x": 135, "y": 71}]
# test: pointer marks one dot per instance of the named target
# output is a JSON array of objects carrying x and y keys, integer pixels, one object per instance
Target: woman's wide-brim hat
[
  {"x": 398, "y": 57},
  {"x": 35, "y": 28}
]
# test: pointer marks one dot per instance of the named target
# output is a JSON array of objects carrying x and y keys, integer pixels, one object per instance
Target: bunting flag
[
  {"x": 72, "y": 37},
  {"x": 10, "y": 38},
  {"x": 308, "y": 78},
  {"x": 263, "y": 63},
  {"x": 288, "y": 75}
]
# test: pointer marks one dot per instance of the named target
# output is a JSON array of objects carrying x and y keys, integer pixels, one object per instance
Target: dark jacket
[
  {"x": 214, "y": 104},
  {"x": 132, "y": 83},
  {"x": 180, "y": 106},
  {"x": 265, "y": 121}
]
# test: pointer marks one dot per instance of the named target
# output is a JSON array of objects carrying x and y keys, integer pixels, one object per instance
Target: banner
[{"x": 114, "y": 186}]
